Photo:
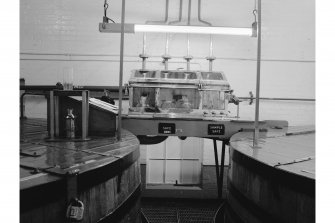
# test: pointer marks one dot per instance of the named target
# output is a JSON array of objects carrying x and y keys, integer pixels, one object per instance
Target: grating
[{"x": 158, "y": 211}]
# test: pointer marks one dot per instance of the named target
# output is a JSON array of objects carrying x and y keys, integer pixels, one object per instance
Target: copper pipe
[{"x": 180, "y": 13}]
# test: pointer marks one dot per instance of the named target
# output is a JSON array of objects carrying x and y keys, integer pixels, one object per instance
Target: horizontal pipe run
[
  {"x": 279, "y": 99},
  {"x": 116, "y": 88},
  {"x": 52, "y": 87},
  {"x": 136, "y": 56}
]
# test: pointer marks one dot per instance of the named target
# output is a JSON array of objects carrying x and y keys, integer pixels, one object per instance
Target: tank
[{"x": 199, "y": 93}]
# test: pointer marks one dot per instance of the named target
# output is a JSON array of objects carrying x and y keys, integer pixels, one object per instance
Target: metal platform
[{"x": 179, "y": 210}]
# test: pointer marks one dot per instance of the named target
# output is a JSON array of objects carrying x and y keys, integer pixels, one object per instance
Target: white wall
[{"x": 59, "y": 33}]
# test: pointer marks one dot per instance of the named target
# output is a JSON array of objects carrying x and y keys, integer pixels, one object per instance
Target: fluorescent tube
[
  {"x": 214, "y": 30},
  {"x": 193, "y": 30}
]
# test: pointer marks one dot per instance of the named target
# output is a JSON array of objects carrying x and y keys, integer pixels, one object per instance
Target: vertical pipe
[
  {"x": 167, "y": 45},
  {"x": 189, "y": 12},
  {"x": 210, "y": 45},
  {"x": 166, "y": 15},
  {"x": 188, "y": 53},
  {"x": 166, "y": 11},
  {"x": 199, "y": 14},
  {"x": 256, "y": 133},
  {"x": 143, "y": 64},
  {"x": 188, "y": 44},
  {"x": 210, "y": 61},
  {"x": 121, "y": 69},
  {"x": 143, "y": 51},
  {"x": 166, "y": 60},
  {"x": 144, "y": 42},
  {"x": 180, "y": 13}
]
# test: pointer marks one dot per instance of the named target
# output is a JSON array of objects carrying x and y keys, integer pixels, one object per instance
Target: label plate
[
  {"x": 166, "y": 128},
  {"x": 216, "y": 129}
]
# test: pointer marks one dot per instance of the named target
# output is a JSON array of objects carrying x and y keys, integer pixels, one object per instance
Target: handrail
[
  {"x": 116, "y": 89},
  {"x": 279, "y": 99},
  {"x": 39, "y": 89},
  {"x": 52, "y": 87}
]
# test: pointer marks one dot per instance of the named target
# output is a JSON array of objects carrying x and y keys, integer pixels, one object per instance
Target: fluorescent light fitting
[
  {"x": 193, "y": 30},
  {"x": 214, "y": 30}
]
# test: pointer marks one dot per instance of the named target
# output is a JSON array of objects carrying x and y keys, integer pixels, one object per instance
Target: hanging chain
[
  {"x": 106, "y": 19},
  {"x": 255, "y": 11},
  {"x": 255, "y": 14},
  {"x": 105, "y": 8}
]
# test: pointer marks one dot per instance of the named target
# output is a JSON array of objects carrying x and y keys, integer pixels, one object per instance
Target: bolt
[{"x": 35, "y": 171}]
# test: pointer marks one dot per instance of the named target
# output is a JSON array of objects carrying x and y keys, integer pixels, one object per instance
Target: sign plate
[
  {"x": 215, "y": 129},
  {"x": 166, "y": 128}
]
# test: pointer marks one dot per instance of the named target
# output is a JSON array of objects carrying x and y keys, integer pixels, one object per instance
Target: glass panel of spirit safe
[{"x": 188, "y": 92}]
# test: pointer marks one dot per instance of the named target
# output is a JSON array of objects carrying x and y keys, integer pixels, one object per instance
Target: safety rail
[
  {"x": 113, "y": 90},
  {"x": 278, "y": 99}
]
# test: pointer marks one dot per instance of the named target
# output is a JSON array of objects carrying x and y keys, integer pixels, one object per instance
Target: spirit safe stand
[{"x": 58, "y": 103}]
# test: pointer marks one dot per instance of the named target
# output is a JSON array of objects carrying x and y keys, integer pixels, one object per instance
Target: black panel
[
  {"x": 216, "y": 129},
  {"x": 166, "y": 128}
]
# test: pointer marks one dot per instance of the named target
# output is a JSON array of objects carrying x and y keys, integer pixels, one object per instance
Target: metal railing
[
  {"x": 113, "y": 90},
  {"x": 250, "y": 99}
]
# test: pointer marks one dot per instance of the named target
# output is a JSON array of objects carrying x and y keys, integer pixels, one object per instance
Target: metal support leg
[
  {"x": 22, "y": 107},
  {"x": 121, "y": 70},
  {"x": 85, "y": 113},
  {"x": 222, "y": 169},
  {"x": 259, "y": 51},
  {"x": 216, "y": 163},
  {"x": 219, "y": 169},
  {"x": 56, "y": 113},
  {"x": 52, "y": 115}
]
